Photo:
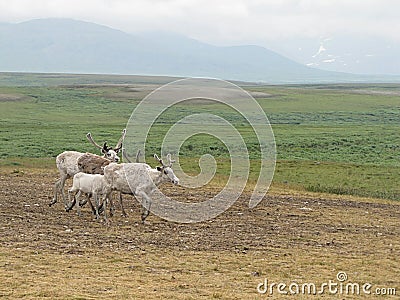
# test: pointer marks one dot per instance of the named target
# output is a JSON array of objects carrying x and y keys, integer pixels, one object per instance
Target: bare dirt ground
[
  {"x": 11, "y": 97},
  {"x": 46, "y": 252}
]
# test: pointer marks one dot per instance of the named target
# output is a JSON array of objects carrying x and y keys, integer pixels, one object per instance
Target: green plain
[{"x": 342, "y": 139}]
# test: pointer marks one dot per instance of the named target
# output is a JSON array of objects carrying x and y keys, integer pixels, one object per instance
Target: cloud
[{"x": 223, "y": 22}]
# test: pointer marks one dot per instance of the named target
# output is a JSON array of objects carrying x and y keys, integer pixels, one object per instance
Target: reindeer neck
[{"x": 156, "y": 176}]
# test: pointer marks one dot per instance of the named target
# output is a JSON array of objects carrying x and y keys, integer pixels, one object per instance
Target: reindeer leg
[
  {"x": 56, "y": 188},
  {"x": 76, "y": 200},
  {"x": 122, "y": 206},
  {"x": 71, "y": 203},
  {"x": 112, "y": 207},
  {"x": 82, "y": 203},
  {"x": 90, "y": 204},
  {"x": 105, "y": 209},
  {"x": 96, "y": 205},
  {"x": 146, "y": 203},
  {"x": 62, "y": 183},
  {"x": 101, "y": 207}
]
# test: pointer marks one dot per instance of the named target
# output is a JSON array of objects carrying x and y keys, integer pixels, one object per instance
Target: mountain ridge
[{"x": 74, "y": 46}]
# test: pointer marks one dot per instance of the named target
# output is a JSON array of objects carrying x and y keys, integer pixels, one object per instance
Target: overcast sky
[{"x": 223, "y": 22}]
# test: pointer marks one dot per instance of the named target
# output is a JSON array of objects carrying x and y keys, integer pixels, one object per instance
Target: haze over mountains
[
  {"x": 65, "y": 45},
  {"x": 345, "y": 53}
]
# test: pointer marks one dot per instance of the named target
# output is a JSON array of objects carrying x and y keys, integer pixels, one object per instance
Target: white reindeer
[
  {"x": 143, "y": 180},
  {"x": 88, "y": 163},
  {"x": 70, "y": 163},
  {"x": 92, "y": 185}
]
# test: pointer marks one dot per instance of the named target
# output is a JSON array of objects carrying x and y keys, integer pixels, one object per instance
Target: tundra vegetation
[
  {"x": 341, "y": 139},
  {"x": 334, "y": 143}
]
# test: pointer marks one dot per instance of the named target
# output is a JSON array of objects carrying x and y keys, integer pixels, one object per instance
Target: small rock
[{"x": 305, "y": 208}]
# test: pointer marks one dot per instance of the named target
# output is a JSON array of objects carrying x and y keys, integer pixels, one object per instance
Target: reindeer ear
[
  {"x": 104, "y": 149},
  {"x": 117, "y": 149},
  {"x": 159, "y": 169}
]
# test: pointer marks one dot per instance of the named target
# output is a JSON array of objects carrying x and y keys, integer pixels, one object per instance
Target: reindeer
[
  {"x": 70, "y": 163},
  {"x": 143, "y": 180},
  {"x": 109, "y": 152},
  {"x": 112, "y": 208},
  {"x": 126, "y": 157},
  {"x": 90, "y": 184}
]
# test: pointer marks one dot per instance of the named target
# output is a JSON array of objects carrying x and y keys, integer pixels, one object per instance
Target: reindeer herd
[{"x": 99, "y": 176}]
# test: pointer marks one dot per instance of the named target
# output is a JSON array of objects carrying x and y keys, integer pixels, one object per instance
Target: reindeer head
[
  {"x": 109, "y": 152},
  {"x": 166, "y": 169}
]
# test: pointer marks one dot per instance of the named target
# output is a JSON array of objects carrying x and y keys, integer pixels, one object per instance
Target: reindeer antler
[
  {"x": 137, "y": 155},
  {"x": 125, "y": 156},
  {"x": 89, "y": 137},
  {"x": 159, "y": 160},
  {"x": 170, "y": 161},
  {"x": 118, "y": 146}
]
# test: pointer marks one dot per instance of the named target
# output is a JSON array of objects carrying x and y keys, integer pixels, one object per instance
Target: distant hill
[
  {"x": 347, "y": 52},
  {"x": 65, "y": 45}
]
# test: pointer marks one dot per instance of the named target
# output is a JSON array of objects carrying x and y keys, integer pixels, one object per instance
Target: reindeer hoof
[{"x": 52, "y": 202}]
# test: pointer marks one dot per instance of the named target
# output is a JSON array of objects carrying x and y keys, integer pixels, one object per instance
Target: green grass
[
  {"x": 340, "y": 178},
  {"x": 342, "y": 139}
]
